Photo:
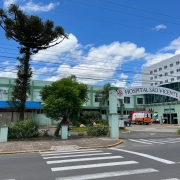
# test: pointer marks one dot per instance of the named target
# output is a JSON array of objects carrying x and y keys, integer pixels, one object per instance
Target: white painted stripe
[
  {"x": 83, "y": 159},
  {"x": 93, "y": 165},
  {"x": 151, "y": 141},
  {"x": 108, "y": 174},
  {"x": 171, "y": 179},
  {"x": 79, "y": 155},
  {"x": 147, "y": 156},
  {"x": 139, "y": 141},
  {"x": 65, "y": 151},
  {"x": 165, "y": 140},
  {"x": 173, "y": 142},
  {"x": 79, "y": 152}
]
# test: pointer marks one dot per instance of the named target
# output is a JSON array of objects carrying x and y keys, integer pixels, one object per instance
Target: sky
[{"x": 110, "y": 41}]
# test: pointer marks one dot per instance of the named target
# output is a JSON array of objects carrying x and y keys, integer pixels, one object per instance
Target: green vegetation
[
  {"x": 63, "y": 99},
  {"x": 32, "y": 35},
  {"x": 23, "y": 129},
  {"x": 98, "y": 131},
  {"x": 92, "y": 116},
  {"x": 178, "y": 131}
]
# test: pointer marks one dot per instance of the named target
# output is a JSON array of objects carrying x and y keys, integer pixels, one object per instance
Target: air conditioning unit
[{"x": 5, "y": 91}]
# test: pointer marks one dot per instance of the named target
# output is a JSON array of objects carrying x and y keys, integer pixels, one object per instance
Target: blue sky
[{"x": 109, "y": 40}]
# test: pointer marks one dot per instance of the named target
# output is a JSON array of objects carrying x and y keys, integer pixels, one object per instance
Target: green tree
[
  {"x": 92, "y": 116},
  {"x": 64, "y": 98},
  {"x": 104, "y": 95},
  {"x": 33, "y": 35}
]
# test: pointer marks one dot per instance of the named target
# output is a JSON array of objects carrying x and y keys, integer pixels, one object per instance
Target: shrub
[
  {"x": 23, "y": 129},
  {"x": 98, "y": 131},
  {"x": 178, "y": 131},
  {"x": 82, "y": 120},
  {"x": 103, "y": 122},
  {"x": 76, "y": 123}
]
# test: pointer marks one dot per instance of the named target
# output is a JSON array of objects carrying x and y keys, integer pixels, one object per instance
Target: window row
[
  {"x": 165, "y": 74},
  {"x": 165, "y": 67},
  {"x": 126, "y": 100},
  {"x": 166, "y": 81}
]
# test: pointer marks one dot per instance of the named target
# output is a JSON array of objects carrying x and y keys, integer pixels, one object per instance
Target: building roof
[{"x": 29, "y": 105}]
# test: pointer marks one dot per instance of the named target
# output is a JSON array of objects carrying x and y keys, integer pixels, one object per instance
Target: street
[
  {"x": 143, "y": 156},
  {"x": 148, "y": 162}
]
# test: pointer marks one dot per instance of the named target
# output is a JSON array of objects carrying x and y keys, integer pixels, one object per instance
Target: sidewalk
[{"x": 25, "y": 146}]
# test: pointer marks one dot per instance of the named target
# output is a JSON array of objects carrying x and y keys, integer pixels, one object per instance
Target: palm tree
[{"x": 104, "y": 94}]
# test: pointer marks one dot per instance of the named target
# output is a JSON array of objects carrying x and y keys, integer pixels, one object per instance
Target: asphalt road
[
  {"x": 146, "y": 162},
  {"x": 144, "y": 155}
]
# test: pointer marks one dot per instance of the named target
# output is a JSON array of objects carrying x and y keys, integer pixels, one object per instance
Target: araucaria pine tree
[{"x": 33, "y": 35}]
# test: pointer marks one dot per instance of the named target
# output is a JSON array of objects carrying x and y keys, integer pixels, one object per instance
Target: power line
[
  {"x": 152, "y": 12},
  {"x": 123, "y": 12}
]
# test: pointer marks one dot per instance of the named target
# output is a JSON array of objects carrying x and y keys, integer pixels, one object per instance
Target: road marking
[
  {"x": 79, "y": 155},
  {"x": 83, "y": 159},
  {"x": 170, "y": 179},
  {"x": 93, "y": 165},
  {"x": 151, "y": 141},
  {"x": 108, "y": 174},
  {"x": 146, "y": 155},
  {"x": 139, "y": 141},
  {"x": 65, "y": 151},
  {"x": 79, "y": 152}
]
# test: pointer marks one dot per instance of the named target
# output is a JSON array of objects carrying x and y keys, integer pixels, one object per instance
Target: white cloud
[
  {"x": 96, "y": 65},
  {"x": 9, "y": 71},
  {"x": 159, "y": 27},
  {"x": 123, "y": 76},
  {"x": 136, "y": 80},
  {"x": 120, "y": 83},
  {"x": 8, "y": 2},
  {"x": 156, "y": 58},
  {"x": 174, "y": 45},
  {"x": 39, "y": 7},
  {"x": 30, "y": 6}
]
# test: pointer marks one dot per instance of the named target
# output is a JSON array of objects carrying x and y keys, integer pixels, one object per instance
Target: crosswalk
[
  {"x": 82, "y": 161},
  {"x": 156, "y": 141}
]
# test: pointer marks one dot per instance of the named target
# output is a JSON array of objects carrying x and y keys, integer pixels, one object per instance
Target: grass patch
[
  {"x": 178, "y": 131},
  {"x": 80, "y": 129}
]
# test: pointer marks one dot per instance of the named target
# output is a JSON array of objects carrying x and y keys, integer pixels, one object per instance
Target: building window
[
  {"x": 166, "y": 74},
  {"x": 150, "y": 72},
  {"x": 127, "y": 100},
  {"x": 165, "y": 67},
  {"x": 139, "y": 100},
  {"x": 160, "y": 75},
  {"x": 177, "y": 70},
  {"x": 160, "y": 69},
  {"x": 103, "y": 111},
  {"x": 151, "y": 84},
  {"x": 166, "y": 81},
  {"x": 177, "y": 62},
  {"x": 161, "y": 82},
  {"x": 171, "y": 72},
  {"x": 0, "y": 95},
  {"x": 155, "y": 77},
  {"x": 98, "y": 98},
  {"x": 178, "y": 77},
  {"x": 156, "y": 83},
  {"x": 151, "y": 78},
  {"x": 40, "y": 111},
  {"x": 171, "y": 64},
  {"x": 172, "y": 79},
  {"x": 155, "y": 70}
]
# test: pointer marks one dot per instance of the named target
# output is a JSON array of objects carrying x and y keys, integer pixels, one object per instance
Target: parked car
[{"x": 127, "y": 122}]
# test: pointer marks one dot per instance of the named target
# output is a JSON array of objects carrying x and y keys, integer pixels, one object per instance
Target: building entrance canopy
[{"x": 121, "y": 93}]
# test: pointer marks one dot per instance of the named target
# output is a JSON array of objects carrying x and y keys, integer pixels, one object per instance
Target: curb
[
  {"x": 108, "y": 146},
  {"x": 46, "y": 150},
  {"x": 21, "y": 152}
]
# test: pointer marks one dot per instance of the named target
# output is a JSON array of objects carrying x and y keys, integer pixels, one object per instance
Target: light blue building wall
[{"x": 35, "y": 111}]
